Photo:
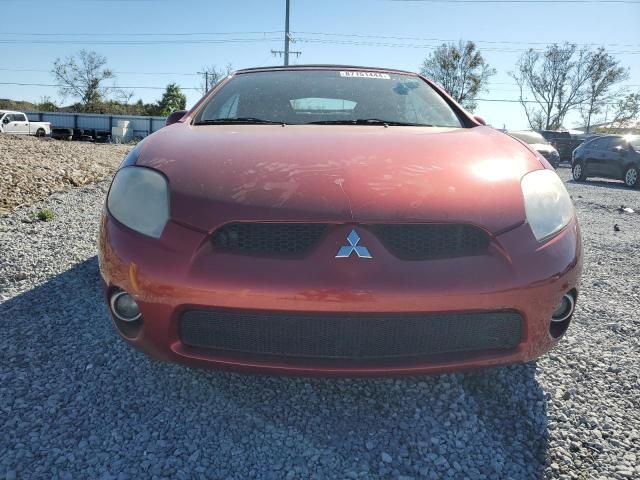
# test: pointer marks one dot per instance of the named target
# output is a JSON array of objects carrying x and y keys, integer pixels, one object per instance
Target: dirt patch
[{"x": 32, "y": 168}]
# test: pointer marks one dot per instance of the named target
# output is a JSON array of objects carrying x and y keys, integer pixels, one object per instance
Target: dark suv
[
  {"x": 561, "y": 141},
  {"x": 611, "y": 156}
]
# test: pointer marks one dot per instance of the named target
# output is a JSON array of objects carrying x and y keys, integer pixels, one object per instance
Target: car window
[
  {"x": 598, "y": 144},
  {"x": 617, "y": 142},
  {"x": 635, "y": 143},
  {"x": 19, "y": 117},
  {"x": 302, "y": 97}
]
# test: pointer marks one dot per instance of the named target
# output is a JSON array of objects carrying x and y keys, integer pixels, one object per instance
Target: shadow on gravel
[
  {"x": 602, "y": 184},
  {"x": 76, "y": 402}
]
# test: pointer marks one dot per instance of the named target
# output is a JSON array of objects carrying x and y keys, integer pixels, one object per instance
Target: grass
[{"x": 45, "y": 215}]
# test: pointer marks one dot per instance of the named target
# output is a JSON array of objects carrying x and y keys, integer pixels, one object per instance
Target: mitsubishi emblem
[{"x": 346, "y": 250}]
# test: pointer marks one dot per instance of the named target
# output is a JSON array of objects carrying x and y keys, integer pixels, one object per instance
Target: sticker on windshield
[{"x": 382, "y": 76}]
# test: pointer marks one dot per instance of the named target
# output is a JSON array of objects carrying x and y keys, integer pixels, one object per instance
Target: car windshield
[
  {"x": 328, "y": 97},
  {"x": 532, "y": 138}
]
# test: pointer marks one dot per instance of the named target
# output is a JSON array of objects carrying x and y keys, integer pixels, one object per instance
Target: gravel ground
[
  {"x": 76, "y": 402},
  {"x": 33, "y": 168}
]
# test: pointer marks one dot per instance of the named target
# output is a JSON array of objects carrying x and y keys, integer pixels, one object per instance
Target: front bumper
[{"x": 181, "y": 272}]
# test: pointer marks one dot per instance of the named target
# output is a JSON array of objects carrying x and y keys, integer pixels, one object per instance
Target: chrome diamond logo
[{"x": 346, "y": 250}]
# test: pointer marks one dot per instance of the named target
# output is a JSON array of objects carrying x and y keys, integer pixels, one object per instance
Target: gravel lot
[
  {"x": 33, "y": 168},
  {"x": 76, "y": 402}
]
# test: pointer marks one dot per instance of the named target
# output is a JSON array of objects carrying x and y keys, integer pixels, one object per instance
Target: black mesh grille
[
  {"x": 349, "y": 336},
  {"x": 405, "y": 241},
  {"x": 268, "y": 238},
  {"x": 432, "y": 241}
]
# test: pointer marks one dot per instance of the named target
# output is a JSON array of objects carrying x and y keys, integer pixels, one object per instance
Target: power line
[
  {"x": 292, "y": 35},
  {"x": 202, "y": 73},
  {"x": 144, "y": 87},
  {"x": 499, "y": 100},
  {"x": 428, "y": 46},
  {"x": 139, "y": 34},
  {"x": 506, "y": 42},
  {"x": 633, "y": 2},
  {"x": 266, "y": 40},
  {"x": 118, "y": 72},
  {"x": 89, "y": 41}
]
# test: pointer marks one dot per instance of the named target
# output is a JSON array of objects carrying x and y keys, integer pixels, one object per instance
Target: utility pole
[
  {"x": 206, "y": 80},
  {"x": 287, "y": 37}
]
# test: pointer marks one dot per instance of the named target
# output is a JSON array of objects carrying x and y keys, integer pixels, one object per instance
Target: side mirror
[
  {"x": 174, "y": 117},
  {"x": 479, "y": 119},
  {"x": 6, "y": 120}
]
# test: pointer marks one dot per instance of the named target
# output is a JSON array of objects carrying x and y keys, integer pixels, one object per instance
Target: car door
[
  {"x": 593, "y": 156},
  {"x": 12, "y": 124},
  {"x": 8, "y": 124},
  {"x": 21, "y": 123},
  {"x": 616, "y": 156}
]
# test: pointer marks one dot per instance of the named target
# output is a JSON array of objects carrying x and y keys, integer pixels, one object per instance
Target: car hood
[{"x": 327, "y": 173}]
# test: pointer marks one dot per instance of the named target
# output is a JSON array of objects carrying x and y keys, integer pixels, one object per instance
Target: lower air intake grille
[
  {"x": 349, "y": 336},
  {"x": 432, "y": 241},
  {"x": 280, "y": 239}
]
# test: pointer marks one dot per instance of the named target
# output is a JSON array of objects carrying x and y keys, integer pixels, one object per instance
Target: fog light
[
  {"x": 124, "y": 307},
  {"x": 564, "y": 309}
]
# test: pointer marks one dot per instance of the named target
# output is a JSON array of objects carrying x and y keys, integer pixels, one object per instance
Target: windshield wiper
[
  {"x": 238, "y": 120},
  {"x": 368, "y": 121}
]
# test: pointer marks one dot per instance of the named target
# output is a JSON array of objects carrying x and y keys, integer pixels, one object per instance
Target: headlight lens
[
  {"x": 139, "y": 198},
  {"x": 546, "y": 202}
]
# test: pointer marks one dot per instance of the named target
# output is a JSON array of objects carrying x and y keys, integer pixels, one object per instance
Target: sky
[{"x": 150, "y": 43}]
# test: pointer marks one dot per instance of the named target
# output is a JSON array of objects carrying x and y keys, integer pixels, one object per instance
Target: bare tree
[
  {"x": 605, "y": 73},
  {"x": 460, "y": 69},
  {"x": 83, "y": 77},
  {"x": 556, "y": 79},
  {"x": 214, "y": 75},
  {"x": 124, "y": 96}
]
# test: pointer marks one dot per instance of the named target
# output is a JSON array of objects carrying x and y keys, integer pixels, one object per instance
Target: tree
[
  {"x": 604, "y": 73},
  {"x": 83, "y": 77},
  {"x": 556, "y": 79},
  {"x": 46, "y": 105},
  {"x": 460, "y": 69},
  {"x": 172, "y": 99},
  {"x": 212, "y": 75},
  {"x": 627, "y": 111}
]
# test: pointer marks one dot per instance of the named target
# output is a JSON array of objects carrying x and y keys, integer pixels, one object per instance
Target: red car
[{"x": 337, "y": 220}]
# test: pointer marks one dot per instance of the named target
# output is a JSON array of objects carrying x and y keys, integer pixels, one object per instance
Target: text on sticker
[{"x": 382, "y": 76}]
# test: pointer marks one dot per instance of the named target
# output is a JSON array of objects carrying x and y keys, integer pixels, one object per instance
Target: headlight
[
  {"x": 546, "y": 203},
  {"x": 139, "y": 199}
]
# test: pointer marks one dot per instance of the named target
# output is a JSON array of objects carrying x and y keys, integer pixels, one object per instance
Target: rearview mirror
[
  {"x": 479, "y": 119},
  {"x": 174, "y": 117}
]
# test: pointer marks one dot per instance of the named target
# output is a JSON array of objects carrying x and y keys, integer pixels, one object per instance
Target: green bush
[{"x": 45, "y": 215}]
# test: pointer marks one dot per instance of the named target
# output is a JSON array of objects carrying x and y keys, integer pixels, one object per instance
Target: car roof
[
  {"x": 2, "y": 112},
  {"x": 321, "y": 66}
]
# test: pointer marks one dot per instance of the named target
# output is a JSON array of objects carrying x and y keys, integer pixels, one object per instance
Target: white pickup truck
[{"x": 18, "y": 123}]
